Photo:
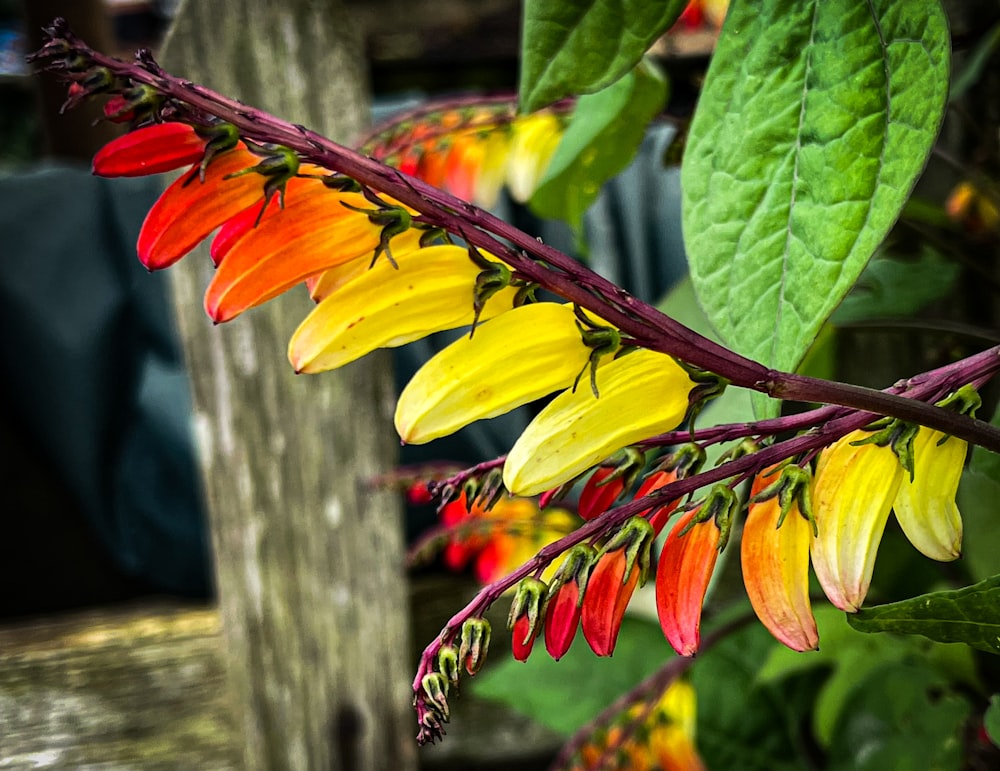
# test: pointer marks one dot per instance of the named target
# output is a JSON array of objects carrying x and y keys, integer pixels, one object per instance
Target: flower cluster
[{"x": 389, "y": 260}]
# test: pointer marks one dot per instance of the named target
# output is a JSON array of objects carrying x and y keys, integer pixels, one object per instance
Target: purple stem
[{"x": 546, "y": 266}]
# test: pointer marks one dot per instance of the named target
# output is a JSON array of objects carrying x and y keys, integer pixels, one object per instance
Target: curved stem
[{"x": 529, "y": 258}]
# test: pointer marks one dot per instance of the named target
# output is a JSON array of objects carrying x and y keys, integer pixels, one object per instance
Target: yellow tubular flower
[
  {"x": 520, "y": 356},
  {"x": 641, "y": 394},
  {"x": 853, "y": 491},
  {"x": 672, "y": 738},
  {"x": 431, "y": 291},
  {"x": 925, "y": 507}
]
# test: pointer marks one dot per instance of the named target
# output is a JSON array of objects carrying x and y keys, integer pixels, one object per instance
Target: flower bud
[
  {"x": 447, "y": 662},
  {"x": 621, "y": 566},
  {"x": 475, "y": 643},
  {"x": 436, "y": 689},
  {"x": 565, "y": 599},
  {"x": 526, "y": 614}
]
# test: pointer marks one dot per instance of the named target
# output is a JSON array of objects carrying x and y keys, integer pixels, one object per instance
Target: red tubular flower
[
  {"x": 150, "y": 150},
  {"x": 620, "y": 567},
  {"x": 565, "y": 601},
  {"x": 686, "y": 565},
  {"x": 190, "y": 209},
  {"x": 525, "y": 618},
  {"x": 600, "y": 491}
]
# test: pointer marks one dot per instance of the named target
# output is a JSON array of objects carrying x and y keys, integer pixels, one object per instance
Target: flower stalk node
[{"x": 393, "y": 220}]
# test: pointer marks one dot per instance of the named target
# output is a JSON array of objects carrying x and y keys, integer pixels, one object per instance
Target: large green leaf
[
  {"x": 970, "y": 615},
  {"x": 572, "y": 47},
  {"x": 815, "y": 121},
  {"x": 601, "y": 139}
]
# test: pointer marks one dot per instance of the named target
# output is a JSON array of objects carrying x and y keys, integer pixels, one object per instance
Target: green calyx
[
  {"x": 636, "y": 537},
  {"x": 602, "y": 341}
]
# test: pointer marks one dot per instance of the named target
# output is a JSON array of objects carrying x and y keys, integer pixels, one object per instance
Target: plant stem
[{"x": 529, "y": 258}]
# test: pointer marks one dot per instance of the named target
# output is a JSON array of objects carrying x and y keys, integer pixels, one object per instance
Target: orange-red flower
[
  {"x": 565, "y": 600},
  {"x": 775, "y": 560},
  {"x": 686, "y": 564},
  {"x": 150, "y": 150},
  {"x": 621, "y": 567}
]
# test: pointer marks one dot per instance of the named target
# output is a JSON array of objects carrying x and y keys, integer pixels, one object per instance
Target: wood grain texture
[{"x": 308, "y": 556}]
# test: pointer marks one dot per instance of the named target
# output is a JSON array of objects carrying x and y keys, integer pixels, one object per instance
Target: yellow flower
[
  {"x": 853, "y": 491},
  {"x": 518, "y": 357},
  {"x": 430, "y": 291},
  {"x": 925, "y": 507},
  {"x": 641, "y": 394}
]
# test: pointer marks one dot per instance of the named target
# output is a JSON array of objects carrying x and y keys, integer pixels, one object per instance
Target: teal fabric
[{"x": 91, "y": 368}]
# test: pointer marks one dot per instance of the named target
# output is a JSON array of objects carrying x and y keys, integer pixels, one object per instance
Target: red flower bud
[{"x": 150, "y": 150}]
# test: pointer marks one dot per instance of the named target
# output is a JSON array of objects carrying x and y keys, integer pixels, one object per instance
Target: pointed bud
[
  {"x": 566, "y": 592},
  {"x": 687, "y": 562},
  {"x": 774, "y": 553},
  {"x": 526, "y": 614},
  {"x": 641, "y": 394},
  {"x": 436, "y": 690},
  {"x": 621, "y": 566},
  {"x": 475, "y": 643},
  {"x": 447, "y": 662}
]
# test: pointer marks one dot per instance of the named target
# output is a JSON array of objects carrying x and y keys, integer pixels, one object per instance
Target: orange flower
[
  {"x": 190, "y": 209},
  {"x": 775, "y": 561},
  {"x": 686, "y": 565},
  {"x": 621, "y": 566}
]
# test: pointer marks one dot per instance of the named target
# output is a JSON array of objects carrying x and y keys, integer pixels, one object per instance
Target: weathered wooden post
[{"x": 308, "y": 556}]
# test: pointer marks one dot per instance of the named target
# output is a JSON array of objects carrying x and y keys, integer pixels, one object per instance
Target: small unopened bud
[
  {"x": 526, "y": 614},
  {"x": 436, "y": 689},
  {"x": 475, "y": 644},
  {"x": 447, "y": 663}
]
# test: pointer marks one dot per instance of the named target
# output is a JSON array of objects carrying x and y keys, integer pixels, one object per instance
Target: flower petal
[
  {"x": 384, "y": 307},
  {"x": 608, "y": 593},
  {"x": 776, "y": 569},
  {"x": 641, "y": 394},
  {"x": 514, "y": 359},
  {"x": 326, "y": 283},
  {"x": 534, "y": 141},
  {"x": 150, "y": 150},
  {"x": 853, "y": 491},
  {"x": 190, "y": 209},
  {"x": 312, "y": 233},
  {"x": 925, "y": 508},
  {"x": 682, "y": 576}
]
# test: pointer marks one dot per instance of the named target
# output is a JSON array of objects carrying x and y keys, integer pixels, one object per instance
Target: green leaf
[
  {"x": 970, "y": 615},
  {"x": 891, "y": 287},
  {"x": 991, "y": 720},
  {"x": 849, "y": 656},
  {"x": 550, "y": 691},
  {"x": 601, "y": 139},
  {"x": 573, "y": 47},
  {"x": 744, "y": 723},
  {"x": 902, "y": 716},
  {"x": 815, "y": 121}
]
